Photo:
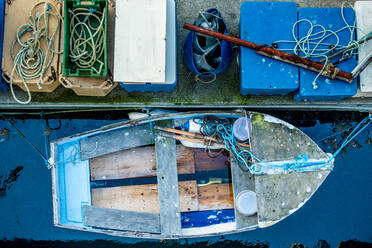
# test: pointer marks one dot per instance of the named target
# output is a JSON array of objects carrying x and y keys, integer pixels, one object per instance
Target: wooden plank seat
[
  {"x": 116, "y": 140},
  {"x": 169, "y": 203},
  {"x": 121, "y": 220}
]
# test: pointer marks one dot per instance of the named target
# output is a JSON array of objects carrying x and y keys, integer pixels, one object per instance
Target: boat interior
[{"x": 132, "y": 180}]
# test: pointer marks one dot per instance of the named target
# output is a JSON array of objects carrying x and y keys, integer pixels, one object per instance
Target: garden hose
[{"x": 87, "y": 39}]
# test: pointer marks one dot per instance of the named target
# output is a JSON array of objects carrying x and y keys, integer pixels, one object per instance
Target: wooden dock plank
[
  {"x": 169, "y": 203},
  {"x": 143, "y": 198},
  {"x": 116, "y": 140},
  {"x": 137, "y": 162},
  {"x": 121, "y": 220},
  {"x": 242, "y": 181}
]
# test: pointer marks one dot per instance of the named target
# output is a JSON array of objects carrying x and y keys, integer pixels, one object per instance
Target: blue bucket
[{"x": 226, "y": 50}]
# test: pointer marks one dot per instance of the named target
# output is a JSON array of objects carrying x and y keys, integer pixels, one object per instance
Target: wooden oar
[
  {"x": 193, "y": 140},
  {"x": 195, "y": 135},
  {"x": 182, "y": 132}
]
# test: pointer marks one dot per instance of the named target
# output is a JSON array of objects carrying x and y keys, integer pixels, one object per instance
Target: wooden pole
[{"x": 182, "y": 132}]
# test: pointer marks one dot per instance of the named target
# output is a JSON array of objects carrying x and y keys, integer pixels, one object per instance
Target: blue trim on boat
[
  {"x": 74, "y": 183},
  {"x": 207, "y": 218}
]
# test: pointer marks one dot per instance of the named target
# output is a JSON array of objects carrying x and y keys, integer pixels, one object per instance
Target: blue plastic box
[
  {"x": 264, "y": 23},
  {"x": 171, "y": 58},
  {"x": 328, "y": 89},
  {"x": 3, "y": 85}
]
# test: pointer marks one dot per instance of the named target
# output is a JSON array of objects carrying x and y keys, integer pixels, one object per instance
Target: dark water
[{"x": 338, "y": 215}]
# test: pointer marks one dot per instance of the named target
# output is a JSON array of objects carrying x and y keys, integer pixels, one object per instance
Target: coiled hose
[{"x": 87, "y": 39}]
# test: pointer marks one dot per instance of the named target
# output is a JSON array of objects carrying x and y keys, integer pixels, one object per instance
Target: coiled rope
[
  {"x": 87, "y": 40},
  {"x": 313, "y": 44},
  {"x": 242, "y": 155},
  {"x": 31, "y": 61}
]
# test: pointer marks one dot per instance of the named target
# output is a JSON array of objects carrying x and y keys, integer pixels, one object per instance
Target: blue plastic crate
[
  {"x": 3, "y": 85},
  {"x": 265, "y": 23},
  {"x": 328, "y": 89},
  {"x": 171, "y": 58}
]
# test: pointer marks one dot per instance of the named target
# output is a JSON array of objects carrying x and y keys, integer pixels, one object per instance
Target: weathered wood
[
  {"x": 116, "y": 140},
  {"x": 241, "y": 181},
  {"x": 215, "y": 196},
  {"x": 205, "y": 163},
  {"x": 280, "y": 195},
  {"x": 169, "y": 202},
  {"x": 143, "y": 198},
  {"x": 275, "y": 140},
  {"x": 121, "y": 220},
  {"x": 137, "y": 162}
]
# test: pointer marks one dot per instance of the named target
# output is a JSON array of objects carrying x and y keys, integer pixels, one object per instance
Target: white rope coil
[{"x": 31, "y": 61}]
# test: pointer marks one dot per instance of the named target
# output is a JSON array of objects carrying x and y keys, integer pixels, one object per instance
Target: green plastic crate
[{"x": 70, "y": 69}]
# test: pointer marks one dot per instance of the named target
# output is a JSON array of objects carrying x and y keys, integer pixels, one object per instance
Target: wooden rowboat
[{"x": 129, "y": 179}]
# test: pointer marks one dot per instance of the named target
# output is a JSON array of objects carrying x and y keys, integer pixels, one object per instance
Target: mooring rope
[
  {"x": 31, "y": 61},
  {"x": 313, "y": 45}
]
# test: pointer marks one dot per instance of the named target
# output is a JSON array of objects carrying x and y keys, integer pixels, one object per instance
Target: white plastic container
[
  {"x": 246, "y": 203},
  {"x": 242, "y": 129}
]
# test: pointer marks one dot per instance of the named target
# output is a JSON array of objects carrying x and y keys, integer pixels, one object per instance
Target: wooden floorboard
[
  {"x": 137, "y": 162},
  {"x": 141, "y": 162},
  {"x": 144, "y": 198},
  {"x": 215, "y": 196},
  {"x": 203, "y": 162}
]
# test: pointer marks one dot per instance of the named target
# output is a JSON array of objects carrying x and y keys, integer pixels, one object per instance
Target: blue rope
[
  {"x": 231, "y": 145},
  {"x": 356, "y": 131},
  {"x": 337, "y": 133},
  {"x": 301, "y": 163}
]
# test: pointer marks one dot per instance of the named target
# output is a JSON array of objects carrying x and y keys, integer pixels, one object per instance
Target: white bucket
[{"x": 246, "y": 203}]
